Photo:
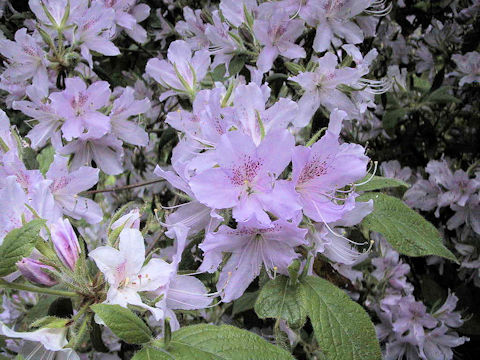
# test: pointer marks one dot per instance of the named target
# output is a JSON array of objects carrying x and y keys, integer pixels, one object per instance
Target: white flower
[{"x": 126, "y": 274}]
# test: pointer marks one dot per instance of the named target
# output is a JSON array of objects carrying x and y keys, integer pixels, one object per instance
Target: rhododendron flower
[
  {"x": 321, "y": 88},
  {"x": 123, "y": 108},
  {"x": 39, "y": 108},
  {"x": 193, "y": 29},
  {"x": 57, "y": 10},
  {"x": 182, "y": 71},
  {"x": 65, "y": 242},
  {"x": 250, "y": 111},
  {"x": 324, "y": 168},
  {"x": 107, "y": 152},
  {"x": 34, "y": 271},
  {"x": 66, "y": 186},
  {"x": 233, "y": 10},
  {"x": 208, "y": 120},
  {"x": 94, "y": 29},
  {"x": 330, "y": 240},
  {"x": 53, "y": 339},
  {"x": 79, "y": 106},
  {"x": 181, "y": 292},
  {"x": 251, "y": 245},
  {"x": 245, "y": 178},
  {"x": 468, "y": 66},
  {"x": 25, "y": 58},
  {"x": 126, "y": 273},
  {"x": 278, "y": 35},
  {"x": 334, "y": 18},
  {"x": 127, "y": 16}
]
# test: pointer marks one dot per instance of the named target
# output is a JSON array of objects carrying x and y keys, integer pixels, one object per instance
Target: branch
[{"x": 126, "y": 187}]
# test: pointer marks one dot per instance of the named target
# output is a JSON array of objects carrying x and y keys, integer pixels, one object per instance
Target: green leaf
[
  {"x": 441, "y": 96},
  {"x": 342, "y": 328},
  {"x": 391, "y": 118},
  {"x": 45, "y": 158},
  {"x": 279, "y": 300},
  {"x": 50, "y": 322},
  {"x": 225, "y": 342},
  {"x": 17, "y": 244},
  {"x": 219, "y": 72},
  {"x": 245, "y": 302},
  {"x": 406, "y": 230},
  {"x": 29, "y": 158},
  {"x": 150, "y": 353},
  {"x": 123, "y": 323},
  {"x": 236, "y": 64},
  {"x": 379, "y": 182}
]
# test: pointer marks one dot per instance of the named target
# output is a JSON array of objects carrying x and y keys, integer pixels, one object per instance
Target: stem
[
  {"x": 126, "y": 187},
  {"x": 31, "y": 288}
]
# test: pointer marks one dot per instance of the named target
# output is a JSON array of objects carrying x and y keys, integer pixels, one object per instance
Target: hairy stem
[{"x": 36, "y": 289}]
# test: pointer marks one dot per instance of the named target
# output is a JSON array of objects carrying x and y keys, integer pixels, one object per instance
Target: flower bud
[
  {"x": 65, "y": 242},
  {"x": 130, "y": 220},
  {"x": 33, "y": 270}
]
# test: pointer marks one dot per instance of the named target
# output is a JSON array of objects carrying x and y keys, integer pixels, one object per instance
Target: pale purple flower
[
  {"x": 65, "y": 242},
  {"x": 66, "y": 186},
  {"x": 127, "y": 16},
  {"x": 447, "y": 314},
  {"x": 107, "y": 152},
  {"x": 245, "y": 178},
  {"x": 413, "y": 317},
  {"x": 181, "y": 292},
  {"x": 124, "y": 107},
  {"x": 193, "y": 29},
  {"x": 393, "y": 169},
  {"x": 278, "y": 35},
  {"x": 321, "y": 88},
  {"x": 251, "y": 246},
  {"x": 330, "y": 240},
  {"x": 251, "y": 112},
  {"x": 193, "y": 215},
  {"x": 126, "y": 273},
  {"x": 40, "y": 109},
  {"x": 468, "y": 67},
  {"x": 320, "y": 170},
  {"x": 208, "y": 120},
  {"x": 182, "y": 72},
  {"x": 422, "y": 195},
  {"x": 233, "y": 10},
  {"x": 94, "y": 30},
  {"x": 57, "y": 10},
  {"x": 222, "y": 45},
  {"x": 34, "y": 271},
  {"x": 468, "y": 214},
  {"x": 439, "y": 342},
  {"x": 25, "y": 58},
  {"x": 79, "y": 105},
  {"x": 334, "y": 18},
  {"x": 459, "y": 189}
]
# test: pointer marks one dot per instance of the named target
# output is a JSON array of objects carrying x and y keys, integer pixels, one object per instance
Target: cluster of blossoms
[
  {"x": 233, "y": 141},
  {"x": 408, "y": 330}
]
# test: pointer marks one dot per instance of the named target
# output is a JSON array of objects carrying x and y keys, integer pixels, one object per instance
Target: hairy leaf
[
  {"x": 17, "y": 244},
  {"x": 406, "y": 230},
  {"x": 379, "y": 182},
  {"x": 342, "y": 328},
  {"x": 123, "y": 323},
  {"x": 279, "y": 300}
]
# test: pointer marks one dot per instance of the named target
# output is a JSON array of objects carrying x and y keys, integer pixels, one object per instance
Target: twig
[{"x": 126, "y": 187}]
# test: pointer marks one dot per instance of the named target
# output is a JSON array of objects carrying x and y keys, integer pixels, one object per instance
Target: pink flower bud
[
  {"x": 65, "y": 242},
  {"x": 33, "y": 270}
]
